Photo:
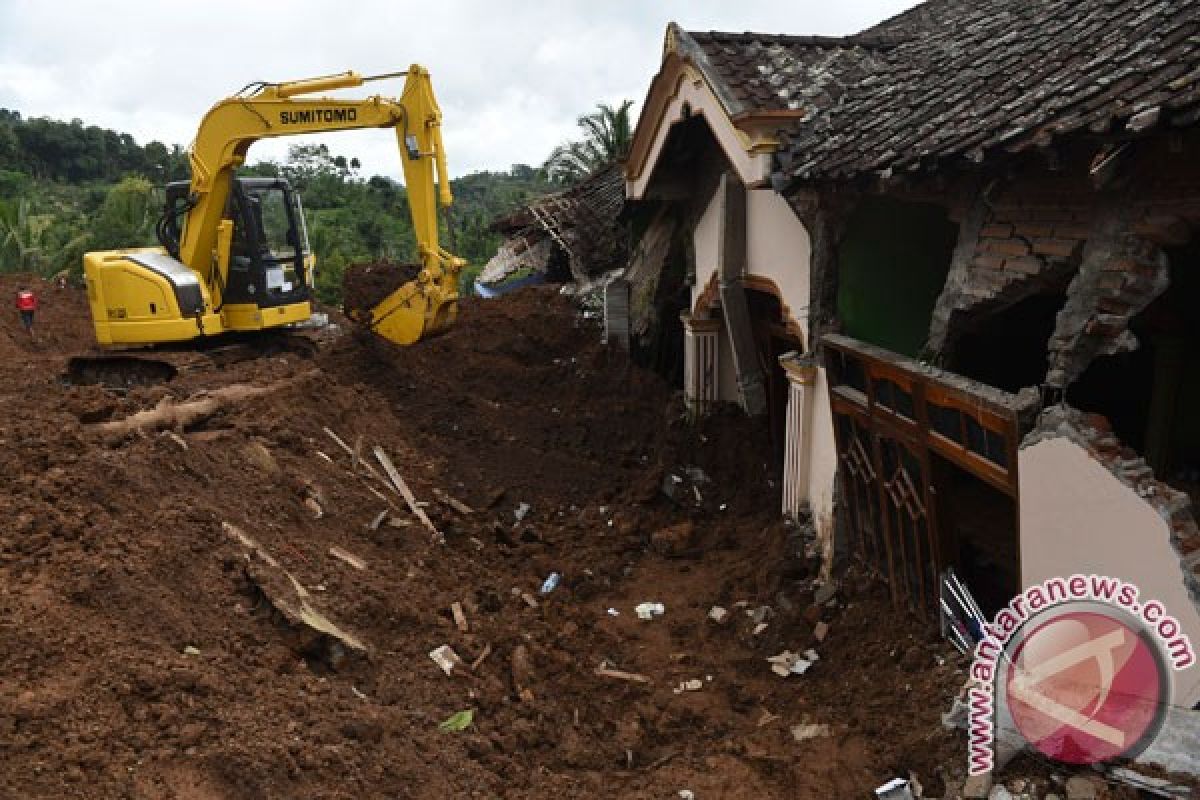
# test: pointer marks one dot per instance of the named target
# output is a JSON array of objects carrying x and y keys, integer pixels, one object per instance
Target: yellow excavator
[{"x": 234, "y": 254}]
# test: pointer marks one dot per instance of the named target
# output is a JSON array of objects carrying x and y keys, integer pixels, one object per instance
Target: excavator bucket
[{"x": 418, "y": 308}]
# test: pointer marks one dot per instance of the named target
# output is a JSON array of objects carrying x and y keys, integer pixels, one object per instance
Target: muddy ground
[{"x": 143, "y": 653}]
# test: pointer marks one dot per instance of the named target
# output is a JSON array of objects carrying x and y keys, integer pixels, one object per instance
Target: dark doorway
[
  {"x": 771, "y": 340},
  {"x": 977, "y": 527}
]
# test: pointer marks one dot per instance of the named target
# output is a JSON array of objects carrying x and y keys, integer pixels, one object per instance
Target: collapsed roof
[{"x": 579, "y": 224}]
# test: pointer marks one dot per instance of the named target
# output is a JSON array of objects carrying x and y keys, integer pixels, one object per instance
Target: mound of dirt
[
  {"x": 365, "y": 285},
  {"x": 244, "y": 606}
]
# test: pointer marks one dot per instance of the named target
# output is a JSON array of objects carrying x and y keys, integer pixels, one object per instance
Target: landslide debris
[{"x": 147, "y": 652}]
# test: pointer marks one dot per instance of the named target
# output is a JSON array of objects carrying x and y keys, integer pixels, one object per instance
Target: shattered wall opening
[
  {"x": 662, "y": 268},
  {"x": 1147, "y": 394},
  {"x": 1008, "y": 349}
]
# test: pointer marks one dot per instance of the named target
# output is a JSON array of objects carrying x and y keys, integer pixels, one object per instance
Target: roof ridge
[{"x": 863, "y": 39}]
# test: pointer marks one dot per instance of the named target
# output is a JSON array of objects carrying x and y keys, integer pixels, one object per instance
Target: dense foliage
[
  {"x": 66, "y": 188},
  {"x": 607, "y": 136}
]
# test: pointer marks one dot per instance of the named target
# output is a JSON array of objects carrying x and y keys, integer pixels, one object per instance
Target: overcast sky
[{"x": 510, "y": 77}]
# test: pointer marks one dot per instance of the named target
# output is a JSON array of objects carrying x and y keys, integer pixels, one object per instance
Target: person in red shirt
[{"x": 27, "y": 303}]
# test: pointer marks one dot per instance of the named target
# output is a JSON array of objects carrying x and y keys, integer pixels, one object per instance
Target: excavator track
[{"x": 128, "y": 370}]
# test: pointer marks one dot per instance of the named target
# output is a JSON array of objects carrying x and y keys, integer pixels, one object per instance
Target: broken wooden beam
[
  {"x": 406, "y": 493},
  {"x": 457, "y": 505}
]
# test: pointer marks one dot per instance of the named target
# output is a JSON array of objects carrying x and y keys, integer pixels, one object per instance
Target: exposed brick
[
  {"x": 1164, "y": 229},
  {"x": 1053, "y": 213},
  {"x": 1127, "y": 265},
  {"x": 1056, "y": 248},
  {"x": 1112, "y": 305},
  {"x": 988, "y": 262},
  {"x": 1080, "y": 232},
  {"x": 1028, "y": 265},
  {"x": 996, "y": 231},
  {"x": 1004, "y": 247},
  {"x": 1031, "y": 230}
]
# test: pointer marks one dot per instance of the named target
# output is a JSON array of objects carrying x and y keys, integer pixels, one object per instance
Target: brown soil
[
  {"x": 365, "y": 285},
  {"x": 115, "y": 561}
]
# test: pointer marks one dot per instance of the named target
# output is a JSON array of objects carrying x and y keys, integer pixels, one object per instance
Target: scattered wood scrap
[
  {"x": 406, "y": 493},
  {"x": 313, "y": 631},
  {"x": 460, "y": 618},
  {"x": 620, "y": 675},
  {"x": 348, "y": 557},
  {"x": 457, "y": 505}
]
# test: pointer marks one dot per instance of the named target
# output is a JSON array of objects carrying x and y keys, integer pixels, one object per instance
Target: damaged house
[
  {"x": 568, "y": 236},
  {"x": 955, "y": 262}
]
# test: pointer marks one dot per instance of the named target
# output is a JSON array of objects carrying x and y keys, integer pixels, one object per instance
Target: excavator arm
[{"x": 419, "y": 308}]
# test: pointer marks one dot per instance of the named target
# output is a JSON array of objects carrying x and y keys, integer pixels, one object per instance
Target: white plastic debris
[
  {"x": 445, "y": 658},
  {"x": 522, "y": 511},
  {"x": 809, "y": 730},
  {"x": 612, "y": 612},
  {"x": 650, "y": 610},
  {"x": 687, "y": 794},
  {"x": 896, "y": 789},
  {"x": 191, "y": 650},
  {"x": 789, "y": 663},
  {"x": 551, "y": 582},
  {"x": 718, "y": 614},
  {"x": 693, "y": 685}
]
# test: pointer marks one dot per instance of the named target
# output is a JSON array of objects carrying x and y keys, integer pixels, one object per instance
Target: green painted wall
[{"x": 892, "y": 265}]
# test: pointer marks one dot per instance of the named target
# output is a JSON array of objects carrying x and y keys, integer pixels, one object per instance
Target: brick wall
[{"x": 1037, "y": 230}]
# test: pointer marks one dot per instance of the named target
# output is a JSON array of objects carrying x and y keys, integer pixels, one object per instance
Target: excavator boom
[{"x": 218, "y": 273}]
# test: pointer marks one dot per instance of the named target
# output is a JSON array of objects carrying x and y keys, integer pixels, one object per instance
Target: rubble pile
[{"x": 417, "y": 572}]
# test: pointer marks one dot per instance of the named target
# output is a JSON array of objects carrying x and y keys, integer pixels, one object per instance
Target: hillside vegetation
[{"x": 66, "y": 188}]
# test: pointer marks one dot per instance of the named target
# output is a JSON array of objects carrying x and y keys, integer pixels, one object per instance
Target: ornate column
[
  {"x": 802, "y": 374},
  {"x": 699, "y": 363}
]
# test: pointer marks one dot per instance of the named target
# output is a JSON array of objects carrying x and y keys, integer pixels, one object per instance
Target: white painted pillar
[
  {"x": 699, "y": 363},
  {"x": 797, "y": 455}
]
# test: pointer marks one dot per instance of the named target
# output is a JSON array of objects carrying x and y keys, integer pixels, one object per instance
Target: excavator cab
[{"x": 270, "y": 258}]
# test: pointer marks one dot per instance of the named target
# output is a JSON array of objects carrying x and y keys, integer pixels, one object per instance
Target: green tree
[
  {"x": 21, "y": 233},
  {"x": 607, "y": 134},
  {"x": 127, "y": 216}
]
